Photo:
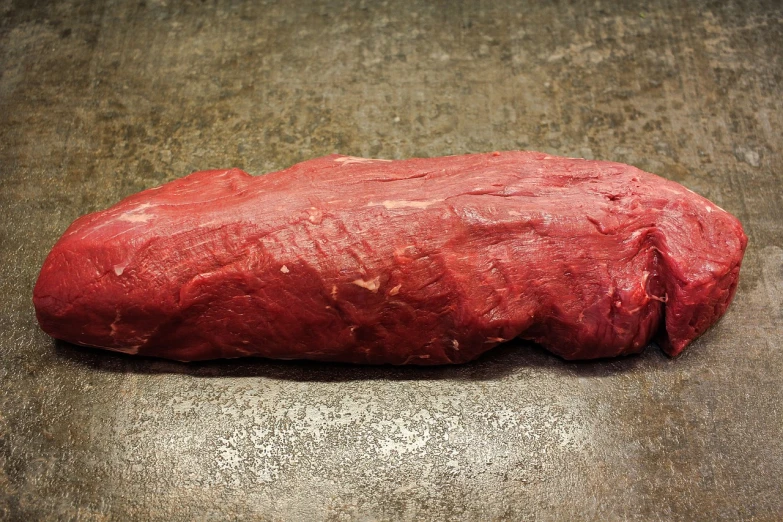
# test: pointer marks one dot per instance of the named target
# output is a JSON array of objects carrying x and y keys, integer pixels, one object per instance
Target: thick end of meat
[{"x": 701, "y": 249}]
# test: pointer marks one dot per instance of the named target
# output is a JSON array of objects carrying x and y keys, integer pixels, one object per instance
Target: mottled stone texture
[{"x": 101, "y": 99}]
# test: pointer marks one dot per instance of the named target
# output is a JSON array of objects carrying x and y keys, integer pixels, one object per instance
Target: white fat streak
[
  {"x": 137, "y": 215},
  {"x": 372, "y": 285},
  {"x": 284, "y": 269},
  {"x": 117, "y": 318},
  {"x": 135, "y": 218},
  {"x": 347, "y": 160},
  {"x": 412, "y": 357},
  {"x": 130, "y": 350},
  {"x": 391, "y": 204}
]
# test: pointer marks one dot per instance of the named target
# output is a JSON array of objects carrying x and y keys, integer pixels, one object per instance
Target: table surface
[{"x": 100, "y": 99}]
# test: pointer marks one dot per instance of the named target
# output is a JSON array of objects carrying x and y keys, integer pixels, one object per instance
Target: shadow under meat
[{"x": 513, "y": 357}]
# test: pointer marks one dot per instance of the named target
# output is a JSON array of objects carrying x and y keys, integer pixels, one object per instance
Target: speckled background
[{"x": 101, "y": 99}]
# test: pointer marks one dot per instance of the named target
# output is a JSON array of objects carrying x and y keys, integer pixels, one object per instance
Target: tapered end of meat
[
  {"x": 79, "y": 298},
  {"x": 113, "y": 278}
]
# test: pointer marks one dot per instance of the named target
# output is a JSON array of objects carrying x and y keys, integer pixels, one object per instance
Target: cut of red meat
[{"x": 420, "y": 261}]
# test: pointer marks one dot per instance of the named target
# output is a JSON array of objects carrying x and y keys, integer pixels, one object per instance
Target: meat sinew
[{"x": 421, "y": 261}]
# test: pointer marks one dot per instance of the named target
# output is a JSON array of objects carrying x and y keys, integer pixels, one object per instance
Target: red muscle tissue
[{"x": 420, "y": 261}]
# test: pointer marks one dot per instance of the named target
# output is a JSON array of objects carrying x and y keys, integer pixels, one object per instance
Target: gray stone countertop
[{"x": 100, "y": 99}]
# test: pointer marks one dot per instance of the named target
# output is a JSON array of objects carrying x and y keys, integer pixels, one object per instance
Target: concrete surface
[{"x": 101, "y": 99}]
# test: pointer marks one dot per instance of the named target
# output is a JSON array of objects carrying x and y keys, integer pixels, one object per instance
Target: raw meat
[{"x": 421, "y": 261}]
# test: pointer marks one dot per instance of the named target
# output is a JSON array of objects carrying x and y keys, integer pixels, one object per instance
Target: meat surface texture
[{"x": 420, "y": 261}]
